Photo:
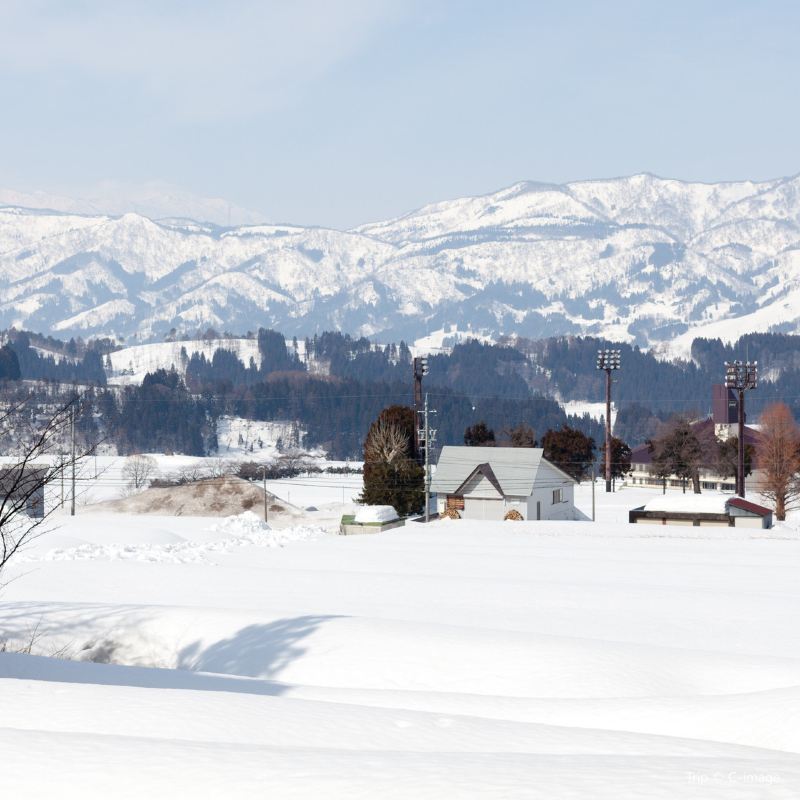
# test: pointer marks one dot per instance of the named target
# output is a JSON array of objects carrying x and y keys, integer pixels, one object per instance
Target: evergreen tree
[
  {"x": 479, "y": 435},
  {"x": 570, "y": 450},
  {"x": 274, "y": 353},
  {"x": 9, "y": 364},
  {"x": 728, "y": 458},
  {"x": 678, "y": 451},
  {"x": 392, "y": 475},
  {"x": 620, "y": 457}
]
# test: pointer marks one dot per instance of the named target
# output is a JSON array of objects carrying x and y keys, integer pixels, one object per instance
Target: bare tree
[
  {"x": 778, "y": 455},
  {"x": 521, "y": 435},
  {"x": 138, "y": 471},
  {"x": 39, "y": 453},
  {"x": 386, "y": 442}
]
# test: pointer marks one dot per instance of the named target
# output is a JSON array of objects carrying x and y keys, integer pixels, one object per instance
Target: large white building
[
  {"x": 720, "y": 425},
  {"x": 488, "y": 482}
]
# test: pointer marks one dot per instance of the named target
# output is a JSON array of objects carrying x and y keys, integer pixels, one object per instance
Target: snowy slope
[
  {"x": 640, "y": 258},
  {"x": 131, "y": 364},
  {"x": 461, "y": 659}
]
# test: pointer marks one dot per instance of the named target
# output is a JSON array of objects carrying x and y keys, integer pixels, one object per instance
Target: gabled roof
[
  {"x": 746, "y": 505},
  {"x": 515, "y": 468},
  {"x": 487, "y": 471}
]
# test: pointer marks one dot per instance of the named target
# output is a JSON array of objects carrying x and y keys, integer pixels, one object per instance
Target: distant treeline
[
  {"x": 335, "y": 385},
  {"x": 475, "y": 382},
  {"x": 80, "y": 365}
]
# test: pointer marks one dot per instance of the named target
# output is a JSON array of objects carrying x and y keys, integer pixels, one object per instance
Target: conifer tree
[
  {"x": 392, "y": 475},
  {"x": 570, "y": 450}
]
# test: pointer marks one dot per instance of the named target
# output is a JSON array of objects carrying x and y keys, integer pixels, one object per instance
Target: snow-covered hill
[
  {"x": 639, "y": 259},
  {"x": 130, "y": 364}
]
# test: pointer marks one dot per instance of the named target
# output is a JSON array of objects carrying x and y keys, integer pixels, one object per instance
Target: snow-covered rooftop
[{"x": 689, "y": 503}]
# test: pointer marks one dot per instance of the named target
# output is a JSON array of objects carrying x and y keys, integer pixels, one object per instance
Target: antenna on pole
[
  {"x": 608, "y": 361},
  {"x": 741, "y": 376},
  {"x": 428, "y": 435},
  {"x": 420, "y": 368}
]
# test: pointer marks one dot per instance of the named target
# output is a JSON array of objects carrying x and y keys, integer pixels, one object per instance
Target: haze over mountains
[{"x": 639, "y": 259}]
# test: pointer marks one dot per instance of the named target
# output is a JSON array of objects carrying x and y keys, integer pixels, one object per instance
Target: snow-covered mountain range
[
  {"x": 154, "y": 199},
  {"x": 637, "y": 259}
]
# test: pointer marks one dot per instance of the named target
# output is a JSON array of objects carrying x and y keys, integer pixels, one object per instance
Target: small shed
[
  {"x": 489, "y": 482},
  {"x": 370, "y": 519},
  {"x": 702, "y": 511},
  {"x": 22, "y": 487}
]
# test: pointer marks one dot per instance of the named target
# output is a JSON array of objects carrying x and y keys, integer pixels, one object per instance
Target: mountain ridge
[{"x": 642, "y": 259}]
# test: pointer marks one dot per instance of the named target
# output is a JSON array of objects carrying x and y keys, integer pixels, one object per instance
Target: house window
[{"x": 558, "y": 496}]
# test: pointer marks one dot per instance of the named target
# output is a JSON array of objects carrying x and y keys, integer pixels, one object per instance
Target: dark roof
[
  {"x": 641, "y": 454},
  {"x": 486, "y": 470},
  {"x": 746, "y": 505}
]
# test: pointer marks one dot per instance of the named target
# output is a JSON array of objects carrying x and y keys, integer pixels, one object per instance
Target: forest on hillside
[{"x": 336, "y": 385}]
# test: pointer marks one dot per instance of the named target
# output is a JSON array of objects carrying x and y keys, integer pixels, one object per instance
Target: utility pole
[
  {"x": 741, "y": 376},
  {"x": 427, "y": 435},
  {"x": 72, "y": 458},
  {"x": 594, "y": 481},
  {"x": 608, "y": 361},
  {"x": 420, "y": 367},
  {"x": 264, "y": 478}
]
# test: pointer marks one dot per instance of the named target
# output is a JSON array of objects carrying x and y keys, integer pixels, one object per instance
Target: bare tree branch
[{"x": 24, "y": 477}]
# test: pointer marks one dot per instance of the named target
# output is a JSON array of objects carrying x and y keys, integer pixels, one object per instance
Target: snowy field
[{"x": 211, "y": 658}]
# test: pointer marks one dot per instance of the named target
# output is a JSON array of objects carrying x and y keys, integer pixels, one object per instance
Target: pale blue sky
[{"x": 337, "y": 113}]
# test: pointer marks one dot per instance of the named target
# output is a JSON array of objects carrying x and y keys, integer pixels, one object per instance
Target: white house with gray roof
[{"x": 488, "y": 482}]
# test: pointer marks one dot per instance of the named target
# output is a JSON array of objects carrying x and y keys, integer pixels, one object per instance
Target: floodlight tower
[
  {"x": 420, "y": 366},
  {"x": 741, "y": 376},
  {"x": 608, "y": 361}
]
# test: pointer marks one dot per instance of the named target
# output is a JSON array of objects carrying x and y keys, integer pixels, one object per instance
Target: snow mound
[
  {"x": 207, "y": 497},
  {"x": 240, "y": 531},
  {"x": 244, "y": 524},
  {"x": 369, "y": 514}
]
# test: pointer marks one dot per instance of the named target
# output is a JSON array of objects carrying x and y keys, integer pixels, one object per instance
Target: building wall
[
  {"x": 547, "y": 480},
  {"x": 483, "y": 508},
  {"x": 481, "y": 499},
  {"x": 19, "y": 484},
  {"x": 709, "y": 480},
  {"x": 739, "y": 522},
  {"x": 750, "y": 522}
]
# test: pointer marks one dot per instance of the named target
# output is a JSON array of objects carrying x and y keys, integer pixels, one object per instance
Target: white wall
[
  {"x": 481, "y": 499},
  {"x": 480, "y": 486},
  {"x": 483, "y": 508},
  {"x": 748, "y": 522},
  {"x": 548, "y": 479}
]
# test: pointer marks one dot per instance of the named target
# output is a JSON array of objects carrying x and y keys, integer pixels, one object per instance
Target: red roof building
[{"x": 721, "y": 424}]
